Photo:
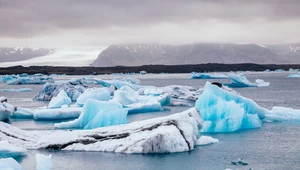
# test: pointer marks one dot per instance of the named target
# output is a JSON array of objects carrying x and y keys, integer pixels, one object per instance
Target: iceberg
[
  {"x": 101, "y": 94},
  {"x": 295, "y": 75},
  {"x": 44, "y": 162},
  {"x": 73, "y": 88},
  {"x": 10, "y": 150},
  {"x": 174, "y": 133},
  {"x": 240, "y": 80},
  {"x": 17, "y": 90},
  {"x": 10, "y": 164},
  {"x": 61, "y": 99},
  {"x": 97, "y": 114},
  {"x": 206, "y": 140},
  {"x": 7, "y": 78},
  {"x": 22, "y": 113},
  {"x": 224, "y": 111},
  {"x": 57, "y": 113},
  {"x": 153, "y": 91},
  {"x": 208, "y": 76},
  {"x": 261, "y": 83}
]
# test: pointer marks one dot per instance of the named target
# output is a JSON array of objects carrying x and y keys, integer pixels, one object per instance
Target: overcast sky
[{"x": 95, "y": 23}]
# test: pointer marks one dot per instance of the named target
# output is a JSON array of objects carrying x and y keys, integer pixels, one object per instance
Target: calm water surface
[{"x": 274, "y": 146}]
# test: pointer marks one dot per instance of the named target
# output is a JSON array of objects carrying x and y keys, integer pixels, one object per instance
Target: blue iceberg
[
  {"x": 208, "y": 76},
  {"x": 61, "y": 99},
  {"x": 223, "y": 111},
  {"x": 101, "y": 94},
  {"x": 97, "y": 114}
]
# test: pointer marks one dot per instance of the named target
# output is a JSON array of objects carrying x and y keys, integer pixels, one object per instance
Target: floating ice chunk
[
  {"x": 223, "y": 111},
  {"x": 57, "y": 113},
  {"x": 142, "y": 107},
  {"x": 97, "y": 114},
  {"x": 101, "y": 94},
  {"x": 208, "y": 76},
  {"x": 52, "y": 89},
  {"x": 44, "y": 162},
  {"x": 10, "y": 150},
  {"x": 239, "y": 80},
  {"x": 175, "y": 133},
  {"x": 164, "y": 99},
  {"x": 9, "y": 164},
  {"x": 261, "y": 83},
  {"x": 17, "y": 90},
  {"x": 206, "y": 140},
  {"x": 143, "y": 72},
  {"x": 61, "y": 99},
  {"x": 23, "y": 113},
  {"x": 279, "y": 114},
  {"x": 279, "y": 70},
  {"x": 7, "y": 78},
  {"x": 295, "y": 75}
]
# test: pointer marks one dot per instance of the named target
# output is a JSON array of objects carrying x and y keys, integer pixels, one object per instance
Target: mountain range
[
  {"x": 201, "y": 53},
  {"x": 153, "y": 54}
]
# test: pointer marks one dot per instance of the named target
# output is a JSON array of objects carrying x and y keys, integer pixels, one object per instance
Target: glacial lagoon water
[{"x": 274, "y": 146}]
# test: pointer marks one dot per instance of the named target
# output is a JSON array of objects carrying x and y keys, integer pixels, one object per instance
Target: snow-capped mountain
[
  {"x": 22, "y": 53},
  {"x": 47, "y": 57},
  {"x": 135, "y": 55}
]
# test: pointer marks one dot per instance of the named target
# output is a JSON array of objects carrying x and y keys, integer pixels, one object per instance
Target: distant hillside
[
  {"x": 137, "y": 55},
  {"x": 19, "y": 53}
]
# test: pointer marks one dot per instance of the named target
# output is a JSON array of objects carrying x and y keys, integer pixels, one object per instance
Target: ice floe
[
  {"x": 44, "y": 162},
  {"x": 17, "y": 90},
  {"x": 57, "y": 113},
  {"x": 208, "y": 76},
  {"x": 240, "y": 80}
]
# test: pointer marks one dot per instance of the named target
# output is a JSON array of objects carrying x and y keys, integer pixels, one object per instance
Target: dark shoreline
[{"x": 148, "y": 68}]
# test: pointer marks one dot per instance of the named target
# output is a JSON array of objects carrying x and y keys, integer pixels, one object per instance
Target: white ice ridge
[{"x": 175, "y": 133}]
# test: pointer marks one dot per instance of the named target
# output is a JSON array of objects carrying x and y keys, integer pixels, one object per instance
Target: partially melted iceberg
[
  {"x": 6, "y": 109},
  {"x": 174, "y": 133},
  {"x": 206, "y": 140},
  {"x": 223, "y": 111},
  {"x": 57, "y": 113},
  {"x": 97, "y": 114}
]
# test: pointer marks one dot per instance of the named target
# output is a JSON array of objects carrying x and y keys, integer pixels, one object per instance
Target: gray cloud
[{"x": 38, "y": 17}]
